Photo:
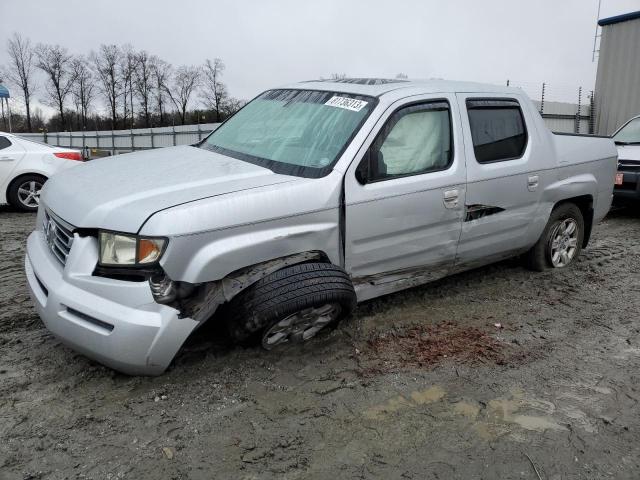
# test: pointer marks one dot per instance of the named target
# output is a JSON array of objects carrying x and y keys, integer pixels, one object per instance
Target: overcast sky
[{"x": 266, "y": 43}]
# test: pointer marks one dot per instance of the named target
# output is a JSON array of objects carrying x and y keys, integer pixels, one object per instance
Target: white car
[{"x": 24, "y": 167}]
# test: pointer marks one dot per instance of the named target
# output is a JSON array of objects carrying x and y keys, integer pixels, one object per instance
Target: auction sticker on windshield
[{"x": 347, "y": 103}]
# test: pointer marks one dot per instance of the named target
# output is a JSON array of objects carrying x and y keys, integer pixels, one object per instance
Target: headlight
[{"x": 120, "y": 249}]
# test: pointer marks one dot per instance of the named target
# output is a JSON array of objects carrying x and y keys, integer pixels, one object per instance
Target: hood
[
  {"x": 121, "y": 192},
  {"x": 629, "y": 152}
]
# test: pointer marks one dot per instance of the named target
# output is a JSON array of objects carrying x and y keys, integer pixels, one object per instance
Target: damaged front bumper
[{"x": 115, "y": 322}]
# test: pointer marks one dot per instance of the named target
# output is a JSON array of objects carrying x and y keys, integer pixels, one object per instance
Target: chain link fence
[{"x": 565, "y": 108}]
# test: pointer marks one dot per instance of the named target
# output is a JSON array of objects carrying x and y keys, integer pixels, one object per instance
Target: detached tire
[
  {"x": 291, "y": 305},
  {"x": 560, "y": 242},
  {"x": 24, "y": 192}
]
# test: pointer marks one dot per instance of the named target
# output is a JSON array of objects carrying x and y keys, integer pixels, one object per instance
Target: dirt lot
[{"x": 420, "y": 384}]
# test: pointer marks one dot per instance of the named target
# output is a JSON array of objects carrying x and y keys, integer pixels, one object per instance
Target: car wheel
[
  {"x": 24, "y": 192},
  {"x": 291, "y": 305},
  {"x": 560, "y": 242}
]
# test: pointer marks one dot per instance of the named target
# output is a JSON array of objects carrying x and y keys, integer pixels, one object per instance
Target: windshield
[
  {"x": 630, "y": 133},
  {"x": 294, "y": 132}
]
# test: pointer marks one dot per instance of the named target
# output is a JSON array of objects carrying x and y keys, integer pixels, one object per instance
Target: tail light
[{"x": 69, "y": 155}]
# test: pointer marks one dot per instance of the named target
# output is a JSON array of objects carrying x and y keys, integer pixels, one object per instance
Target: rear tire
[
  {"x": 291, "y": 305},
  {"x": 560, "y": 242},
  {"x": 24, "y": 192}
]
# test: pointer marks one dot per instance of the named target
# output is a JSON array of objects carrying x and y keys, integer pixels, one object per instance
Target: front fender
[{"x": 211, "y": 256}]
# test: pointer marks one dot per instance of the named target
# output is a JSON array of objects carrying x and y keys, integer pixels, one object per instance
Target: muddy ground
[{"x": 552, "y": 393}]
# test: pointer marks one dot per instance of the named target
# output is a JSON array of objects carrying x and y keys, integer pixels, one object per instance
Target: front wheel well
[
  {"x": 21, "y": 176},
  {"x": 210, "y": 295},
  {"x": 9, "y": 193},
  {"x": 585, "y": 204}
]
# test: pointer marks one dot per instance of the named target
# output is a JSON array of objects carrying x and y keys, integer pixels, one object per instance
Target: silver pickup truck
[{"x": 313, "y": 197}]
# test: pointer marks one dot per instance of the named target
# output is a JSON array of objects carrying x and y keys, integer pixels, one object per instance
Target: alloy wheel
[
  {"x": 564, "y": 242},
  {"x": 300, "y": 326},
  {"x": 29, "y": 193}
]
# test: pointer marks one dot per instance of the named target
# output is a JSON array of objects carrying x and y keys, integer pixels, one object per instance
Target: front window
[
  {"x": 415, "y": 140},
  {"x": 629, "y": 134},
  {"x": 294, "y": 132}
]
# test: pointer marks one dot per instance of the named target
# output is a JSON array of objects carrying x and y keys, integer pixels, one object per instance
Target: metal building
[{"x": 617, "y": 93}]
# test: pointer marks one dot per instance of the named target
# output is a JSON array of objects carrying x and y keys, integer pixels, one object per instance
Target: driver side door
[{"x": 404, "y": 198}]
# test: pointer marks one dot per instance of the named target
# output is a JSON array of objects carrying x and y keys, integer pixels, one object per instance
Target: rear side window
[
  {"x": 497, "y": 129},
  {"x": 4, "y": 142}
]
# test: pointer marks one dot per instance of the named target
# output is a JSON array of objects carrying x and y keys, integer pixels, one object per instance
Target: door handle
[
  {"x": 532, "y": 182},
  {"x": 6, "y": 159},
  {"x": 450, "y": 198}
]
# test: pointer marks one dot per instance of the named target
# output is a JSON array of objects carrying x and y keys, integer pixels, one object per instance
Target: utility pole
[{"x": 595, "y": 37}]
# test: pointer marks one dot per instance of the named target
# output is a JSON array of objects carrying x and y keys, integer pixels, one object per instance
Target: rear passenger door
[
  {"x": 10, "y": 155},
  {"x": 506, "y": 175},
  {"x": 403, "y": 220}
]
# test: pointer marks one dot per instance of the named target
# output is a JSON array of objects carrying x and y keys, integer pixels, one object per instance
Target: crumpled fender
[{"x": 212, "y": 256}]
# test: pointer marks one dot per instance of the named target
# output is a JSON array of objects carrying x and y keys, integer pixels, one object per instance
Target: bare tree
[
  {"x": 161, "y": 74},
  {"x": 20, "y": 70},
  {"x": 4, "y": 118},
  {"x": 143, "y": 84},
  {"x": 106, "y": 64},
  {"x": 402, "y": 76},
  {"x": 232, "y": 105},
  {"x": 55, "y": 62},
  {"x": 214, "y": 93},
  {"x": 82, "y": 91},
  {"x": 127, "y": 68},
  {"x": 185, "y": 82}
]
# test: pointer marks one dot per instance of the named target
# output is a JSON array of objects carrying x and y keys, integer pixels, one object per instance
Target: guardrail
[{"x": 120, "y": 141}]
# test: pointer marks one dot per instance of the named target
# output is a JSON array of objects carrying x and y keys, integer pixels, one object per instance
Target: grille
[
  {"x": 59, "y": 236},
  {"x": 628, "y": 164}
]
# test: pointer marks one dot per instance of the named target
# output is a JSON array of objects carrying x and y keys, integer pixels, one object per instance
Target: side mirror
[{"x": 362, "y": 172}]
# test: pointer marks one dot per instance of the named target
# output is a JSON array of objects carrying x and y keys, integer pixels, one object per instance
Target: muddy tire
[
  {"x": 24, "y": 192},
  {"x": 560, "y": 242},
  {"x": 290, "y": 305}
]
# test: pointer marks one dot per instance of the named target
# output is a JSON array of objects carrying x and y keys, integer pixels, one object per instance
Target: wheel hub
[
  {"x": 300, "y": 326},
  {"x": 29, "y": 193},
  {"x": 564, "y": 242}
]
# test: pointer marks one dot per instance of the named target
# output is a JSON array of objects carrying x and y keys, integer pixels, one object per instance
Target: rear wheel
[
  {"x": 24, "y": 192},
  {"x": 560, "y": 242},
  {"x": 291, "y": 305}
]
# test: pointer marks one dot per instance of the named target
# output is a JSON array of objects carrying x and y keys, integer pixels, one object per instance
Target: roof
[
  {"x": 361, "y": 81},
  {"x": 619, "y": 18},
  {"x": 4, "y": 91},
  {"x": 379, "y": 87}
]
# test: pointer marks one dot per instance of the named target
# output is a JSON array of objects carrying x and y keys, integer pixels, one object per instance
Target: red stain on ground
[{"x": 427, "y": 345}]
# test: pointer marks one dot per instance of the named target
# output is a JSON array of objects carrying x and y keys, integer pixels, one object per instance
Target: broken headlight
[{"x": 121, "y": 249}]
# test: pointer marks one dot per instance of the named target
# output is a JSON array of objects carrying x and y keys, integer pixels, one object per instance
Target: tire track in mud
[{"x": 16, "y": 312}]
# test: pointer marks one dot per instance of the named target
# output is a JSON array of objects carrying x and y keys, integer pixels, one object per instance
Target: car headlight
[{"x": 121, "y": 249}]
